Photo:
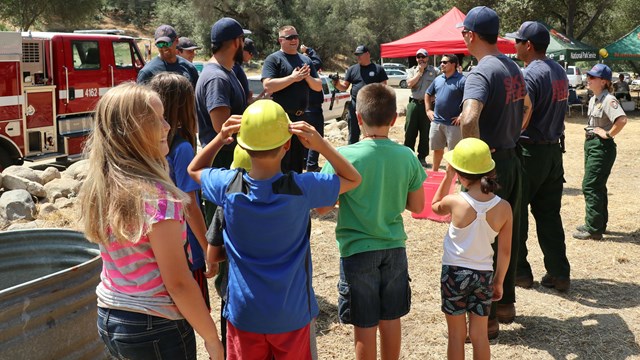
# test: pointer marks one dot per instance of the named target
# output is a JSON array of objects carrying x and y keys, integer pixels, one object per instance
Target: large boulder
[
  {"x": 48, "y": 174},
  {"x": 77, "y": 170},
  {"x": 61, "y": 188},
  {"x": 22, "y": 172},
  {"x": 13, "y": 182},
  {"x": 17, "y": 205}
]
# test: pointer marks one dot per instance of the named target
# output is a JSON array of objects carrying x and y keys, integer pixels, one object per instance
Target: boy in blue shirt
[
  {"x": 270, "y": 299},
  {"x": 374, "y": 290}
]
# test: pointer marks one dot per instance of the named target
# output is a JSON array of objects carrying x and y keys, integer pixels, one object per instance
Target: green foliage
[{"x": 50, "y": 14}]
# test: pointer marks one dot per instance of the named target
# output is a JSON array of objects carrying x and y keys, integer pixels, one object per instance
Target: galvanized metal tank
[{"x": 48, "y": 309}]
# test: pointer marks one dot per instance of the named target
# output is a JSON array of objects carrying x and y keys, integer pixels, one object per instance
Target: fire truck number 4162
[{"x": 92, "y": 92}]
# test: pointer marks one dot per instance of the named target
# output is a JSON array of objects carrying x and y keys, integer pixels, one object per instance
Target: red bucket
[{"x": 434, "y": 178}]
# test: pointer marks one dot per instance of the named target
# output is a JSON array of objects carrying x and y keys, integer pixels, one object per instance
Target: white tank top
[{"x": 470, "y": 247}]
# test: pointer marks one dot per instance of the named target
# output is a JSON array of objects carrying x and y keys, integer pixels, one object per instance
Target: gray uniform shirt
[
  {"x": 419, "y": 89},
  {"x": 603, "y": 111}
]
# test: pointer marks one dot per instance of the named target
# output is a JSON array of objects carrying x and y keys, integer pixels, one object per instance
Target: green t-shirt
[{"x": 370, "y": 216}]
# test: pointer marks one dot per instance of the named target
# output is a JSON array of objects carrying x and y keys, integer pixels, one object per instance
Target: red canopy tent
[{"x": 438, "y": 38}]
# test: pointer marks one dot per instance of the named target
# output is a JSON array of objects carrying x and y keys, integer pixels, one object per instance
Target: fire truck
[{"x": 49, "y": 86}]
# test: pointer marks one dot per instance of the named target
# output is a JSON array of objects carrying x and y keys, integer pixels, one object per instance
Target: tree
[{"x": 24, "y": 14}]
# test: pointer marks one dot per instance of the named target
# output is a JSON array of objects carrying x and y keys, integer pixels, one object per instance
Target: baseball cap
[
  {"x": 482, "y": 20},
  {"x": 532, "y": 31},
  {"x": 600, "y": 71},
  {"x": 184, "y": 43},
  {"x": 225, "y": 29},
  {"x": 423, "y": 52},
  {"x": 250, "y": 47},
  {"x": 165, "y": 33},
  {"x": 361, "y": 49}
]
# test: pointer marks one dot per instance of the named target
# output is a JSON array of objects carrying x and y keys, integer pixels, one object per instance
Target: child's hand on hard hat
[
  {"x": 230, "y": 127},
  {"x": 307, "y": 135}
]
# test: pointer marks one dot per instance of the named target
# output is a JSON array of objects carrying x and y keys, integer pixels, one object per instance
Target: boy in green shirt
[{"x": 374, "y": 290}]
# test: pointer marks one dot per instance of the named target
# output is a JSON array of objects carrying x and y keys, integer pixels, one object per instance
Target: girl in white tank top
[{"x": 469, "y": 283}]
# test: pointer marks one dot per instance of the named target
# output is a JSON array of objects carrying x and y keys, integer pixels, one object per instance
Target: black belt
[
  {"x": 537, "y": 142},
  {"x": 503, "y": 154},
  {"x": 295, "y": 112},
  {"x": 417, "y": 101}
]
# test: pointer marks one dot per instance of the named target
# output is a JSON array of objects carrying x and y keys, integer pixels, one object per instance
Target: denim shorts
[
  {"x": 374, "y": 286},
  {"x": 131, "y": 335},
  {"x": 466, "y": 290}
]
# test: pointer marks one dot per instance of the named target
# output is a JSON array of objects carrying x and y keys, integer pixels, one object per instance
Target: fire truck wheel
[{"x": 5, "y": 160}]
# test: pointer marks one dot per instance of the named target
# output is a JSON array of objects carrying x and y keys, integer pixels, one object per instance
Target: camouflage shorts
[{"x": 466, "y": 290}]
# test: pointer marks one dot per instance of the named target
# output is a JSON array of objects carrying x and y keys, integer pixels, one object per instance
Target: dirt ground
[{"x": 599, "y": 318}]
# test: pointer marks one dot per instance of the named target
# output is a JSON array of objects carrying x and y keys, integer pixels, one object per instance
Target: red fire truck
[{"x": 49, "y": 86}]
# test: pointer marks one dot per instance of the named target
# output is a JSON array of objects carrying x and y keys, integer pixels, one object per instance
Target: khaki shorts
[{"x": 441, "y": 136}]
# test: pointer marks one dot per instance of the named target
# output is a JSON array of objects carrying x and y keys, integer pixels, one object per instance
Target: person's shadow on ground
[
  {"x": 594, "y": 336},
  {"x": 599, "y": 293},
  {"x": 328, "y": 315}
]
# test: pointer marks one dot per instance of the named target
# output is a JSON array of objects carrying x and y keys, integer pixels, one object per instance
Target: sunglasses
[
  {"x": 420, "y": 56},
  {"x": 162, "y": 44},
  {"x": 444, "y": 62},
  {"x": 465, "y": 31},
  {"x": 290, "y": 37},
  {"x": 519, "y": 41}
]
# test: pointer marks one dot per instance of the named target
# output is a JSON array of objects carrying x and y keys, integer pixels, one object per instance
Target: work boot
[
  {"x": 505, "y": 313},
  {"x": 583, "y": 228},
  {"x": 585, "y": 235},
  {"x": 561, "y": 284},
  {"x": 524, "y": 281},
  {"x": 423, "y": 162}
]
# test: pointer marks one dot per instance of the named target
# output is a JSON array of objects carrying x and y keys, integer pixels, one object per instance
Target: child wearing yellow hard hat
[
  {"x": 266, "y": 236},
  {"x": 468, "y": 283}
]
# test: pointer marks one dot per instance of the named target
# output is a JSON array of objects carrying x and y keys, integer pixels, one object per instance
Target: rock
[
  {"x": 47, "y": 209},
  {"x": 63, "y": 203},
  {"x": 0, "y": 180},
  {"x": 13, "y": 182},
  {"x": 28, "y": 225},
  {"x": 4, "y": 222},
  {"x": 342, "y": 124},
  {"x": 22, "y": 172},
  {"x": 61, "y": 188},
  {"x": 48, "y": 174},
  {"x": 17, "y": 205},
  {"x": 77, "y": 170}
]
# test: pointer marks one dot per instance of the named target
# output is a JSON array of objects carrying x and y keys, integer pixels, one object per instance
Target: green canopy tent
[
  {"x": 625, "y": 48},
  {"x": 564, "y": 48}
]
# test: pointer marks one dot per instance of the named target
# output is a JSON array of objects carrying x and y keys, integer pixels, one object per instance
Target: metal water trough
[{"x": 48, "y": 310}]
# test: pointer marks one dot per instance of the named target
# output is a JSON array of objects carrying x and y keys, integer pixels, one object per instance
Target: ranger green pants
[
  {"x": 543, "y": 182},
  {"x": 417, "y": 122},
  {"x": 509, "y": 176},
  {"x": 599, "y": 156}
]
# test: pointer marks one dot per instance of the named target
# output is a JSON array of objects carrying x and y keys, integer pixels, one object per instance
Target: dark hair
[
  {"x": 488, "y": 182},
  {"x": 490, "y": 38},
  {"x": 539, "y": 48},
  {"x": 452, "y": 58},
  {"x": 376, "y": 103}
]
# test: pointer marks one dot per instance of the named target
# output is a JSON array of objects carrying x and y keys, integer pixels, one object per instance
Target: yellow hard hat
[
  {"x": 264, "y": 126},
  {"x": 471, "y": 156},
  {"x": 241, "y": 159}
]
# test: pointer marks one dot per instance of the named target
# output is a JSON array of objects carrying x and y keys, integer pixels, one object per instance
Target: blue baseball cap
[
  {"x": 361, "y": 49},
  {"x": 165, "y": 33},
  {"x": 250, "y": 47},
  {"x": 226, "y": 29},
  {"x": 600, "y": 71},
  {"x": 482, "y": 20},
  {"x": 531, "y": 31}
]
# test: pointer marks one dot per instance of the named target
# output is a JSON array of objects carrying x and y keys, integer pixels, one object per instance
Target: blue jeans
[{"x": 131, "y": 335}]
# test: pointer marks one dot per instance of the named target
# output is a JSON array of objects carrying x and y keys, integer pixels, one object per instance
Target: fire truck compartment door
[{"x": 39, "y": 107}]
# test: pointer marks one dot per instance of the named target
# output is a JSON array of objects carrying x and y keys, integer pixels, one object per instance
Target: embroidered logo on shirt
[{"x": 614, "y": 104}]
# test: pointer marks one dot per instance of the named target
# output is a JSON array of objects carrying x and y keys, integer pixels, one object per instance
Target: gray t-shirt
[
  {"x": 603, "y": 111},
  {"x": 498, "y": 83},
  {"x": 419, "y": 89}
]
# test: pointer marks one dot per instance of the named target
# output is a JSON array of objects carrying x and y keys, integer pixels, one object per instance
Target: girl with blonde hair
[{"x": 148, "y": 302}]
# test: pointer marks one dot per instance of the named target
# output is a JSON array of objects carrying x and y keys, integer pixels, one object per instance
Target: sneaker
[
  {"x": 561, "y": 284},
  {"x": 583, "y": 228},
  {"x": 423, "y": 162},
  {"x": 524, "y": 281},
  {"x": 585, "y": 235},
  {"x": 505, "y": 313}
]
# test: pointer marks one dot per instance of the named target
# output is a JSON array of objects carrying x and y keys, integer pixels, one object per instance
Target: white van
[{"x": 574, "y": 74}]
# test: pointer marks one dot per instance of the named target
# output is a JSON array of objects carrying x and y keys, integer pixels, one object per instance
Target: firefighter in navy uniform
[{"x": 606, "y": 120}]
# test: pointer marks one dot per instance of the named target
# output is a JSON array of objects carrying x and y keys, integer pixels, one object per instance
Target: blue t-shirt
[
  {"x": 179, "y": 157},
  {"x": 278, "y": 65},
  {"x": 157, "y": 65},
  {"x": 267, "y": 242},
  {"x": 217, "y": 87},
  {"x": 498, "y": 83},
  {"x": 242, "y": 77},
  {"x": 448, "y": 92},
  {"x": 548, "y": 88},
  {"x": 359, "y": 76}
]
